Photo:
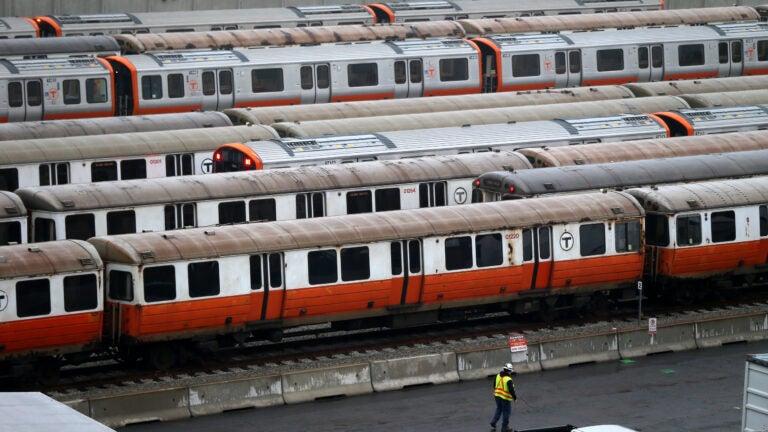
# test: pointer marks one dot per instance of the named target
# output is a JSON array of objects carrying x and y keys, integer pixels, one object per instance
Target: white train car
[{"x": 13, "y": 219}]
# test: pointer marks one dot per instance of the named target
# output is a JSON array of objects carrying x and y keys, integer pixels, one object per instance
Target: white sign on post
[{"x": 651, "y": 325}]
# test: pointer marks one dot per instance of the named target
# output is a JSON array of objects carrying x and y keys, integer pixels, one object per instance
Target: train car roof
[
  {"x": 646, "y": 149},
  {"x": 18, "y": 28},
  {"x": 709, "y": 85},
  {"x": 111, "y": 125},
  {"x": 720, "y": 117},
  {"x": 456, "y": 139},
  {"x": 53, "y": 67},
  {"x": 11, "y": 205},
  {"x": 85, "y": 45},
  {"x": 693, "y": 197},
  {"x": 34, "y": 259},
  {"x": 129, "y": 193},
  {"x": 123, "y": 145},
  {"x": 149, "y": 248},
  {"x": 619, "y": 175}
]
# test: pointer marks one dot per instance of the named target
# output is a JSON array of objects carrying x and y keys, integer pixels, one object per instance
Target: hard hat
[{"x": 509, "y": 368}]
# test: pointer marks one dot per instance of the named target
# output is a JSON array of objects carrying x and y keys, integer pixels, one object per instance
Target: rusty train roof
[
  {"x": 11, "y": 205},
  {"x": 204, "y": 243},
  {"x": 703, "y": 196},
  {"x": 34, "y": 259}
]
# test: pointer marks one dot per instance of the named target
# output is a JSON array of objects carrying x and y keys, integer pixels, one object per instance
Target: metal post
[{"x": 639, "y": 301}]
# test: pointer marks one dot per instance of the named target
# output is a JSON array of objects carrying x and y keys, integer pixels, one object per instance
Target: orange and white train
[{"x": 153, "y": 293}]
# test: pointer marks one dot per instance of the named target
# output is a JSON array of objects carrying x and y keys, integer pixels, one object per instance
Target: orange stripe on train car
[
  {"x": 526, "y": 87},
  {"x": 272, "y": 102},
  {"x": 363, "y": 97},
  {"x": 78, "y": 115},
  {"x": 609, "y": 81},
  {"x": 168, "y": 109},
  {"x": 326, "y": 300},
  {"x": 63, "y": 333},
  {"x": 708, "y": 260},
  {"x": 756, "y": 71},
  {"x": 453, "y": 92},
  {"x": 690, "y": 76}
]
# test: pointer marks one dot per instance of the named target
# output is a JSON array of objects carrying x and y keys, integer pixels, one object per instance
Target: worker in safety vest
[{"x": 504, "y": 394}]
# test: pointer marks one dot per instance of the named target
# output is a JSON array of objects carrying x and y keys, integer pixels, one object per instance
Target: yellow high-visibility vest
[{"x": 500, "y": 389}]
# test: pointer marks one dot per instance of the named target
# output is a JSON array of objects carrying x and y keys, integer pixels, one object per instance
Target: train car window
[
  {"x": 33, "y": 298},
  {"x": 133, "y": 169},
  {"x": 527, "y": 245},
  {"x": 209, "y": 83},
  {"x": 488, "y": 250},
  {"x": 526, "y": 65},
  {"x": 169, "y": 215},
  {"x": 275, "y": 270},
  {"x": 120, "y": 285},
  {"x": 96, "y": 90},
  {"x": 433, "y": 194},
  {"x": 267, "y": 80},
  {"x": 52, "y": 174},
  {"x": 9, "y": 179},
  {"x": 10, "y": 232},
  {"x": 736, "y": 52},
  {"x": 657, "y": 56},
  {"x": 627, "y": 236},
  {"x": 80, "y": 293},
  {"x": 544, "y": 243},
  {"x": 355, "y": 264},
  {"x": 44, "y": 174},
  {"x": 323, "y": 76},
  {"x": 15, "y": 94},
  {"x": 610, "y": 60},
  {"x": 104, "y": 171},
  {"x": 458, "y": 253},
  {"x": 387, "y": 199},
  {"x": 592, "y": 239},
  {"x": 34, "y": 93},
  {"x": 321, "y": 266},
  {"x": 121, "y": 222},
  {"x": 642, "y": 58},
  {"x": 151, "y": 87},
  {"x": 262, "y": 210},
  {"x": 225, "y": 82},
  {"x": 690, "y": 55},
  {"x": 159, "y": 283},
  {"x": 310, "y": 205},
  {"x": 71, "y": 91},
  {"x": 723, "y": 226},
  {"x": 763, "y": 221},
  {"x": 414, "y": 256},
  {"x": 454, "y": 69},
  {"x": 307, "y": 78},
  {"x": 175, "y": 85},
  {"x": 359, "y": 202},
  {"x": 203, "y": 279},
  {"x": 255, "y": 266},
  {"x": 178, "y": 164},
  {"x": 80, "y": 226},
  {"x": 231, "y": 212},
  {"x": 400, "y": 77},
  {"x": 559, "y": 63},
  {"x": 396, "y": 258},
  {"x": 688, "y": 230},
  {"x": 362, "y": 74},
  {"x": 656, "y": 230},
  {"x": 45, "y": 230},
  {"x": 722, "y": 52},
  {"x": 574, "y": 59},
  {"x": 762, "y": 50},
  {"x": 415, "y": 68}
]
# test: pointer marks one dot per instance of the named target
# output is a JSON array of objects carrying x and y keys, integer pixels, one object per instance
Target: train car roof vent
[
  {"x": 617, "y": 210},
  {"x": 11, "y": 210},
  {"x": 68, "y": 203},
  {"x": 34, "y": 249},
  {"x": 169, "y": 236},
  {"x": 147, "y": 255},
  {"x": 209, "y": 233},
  {"x": 549, "y": 186},
  {"x": 692, "y": 203},
  {"x": 578, "y": 161},
  {"x": 86, "y": 262}
]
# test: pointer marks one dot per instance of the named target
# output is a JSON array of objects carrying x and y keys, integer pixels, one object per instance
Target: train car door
[
  {"x": 25, "y": 100},
  {"x": 537, "y": 257},
  {"x": 217, "y": 88},
  {"x": 409, "y": 78},
  {"x": 267, "y": 275},
  {"x": 315, "y": 83},
  {"x": 407, "y": 262},
  {"x": 650, "y": 62},
  {"x": 731, "y": 58},
  {"x": 567, "y": 68}
]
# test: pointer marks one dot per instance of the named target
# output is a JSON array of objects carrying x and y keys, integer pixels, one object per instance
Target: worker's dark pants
[{"x": 503, "y": 409}]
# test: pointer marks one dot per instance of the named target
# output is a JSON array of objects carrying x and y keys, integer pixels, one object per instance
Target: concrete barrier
[
  {"x": 565, "y": 352},
  {"x": 638, "y": 343},
  {"x": 716, "y": 332},
  {"x": 122, "y": 410},
  {"x": 248, "y": 393},
  {"x": 344, "y": 380},
  {"x": 480, "y": 364},
  {"x": 396, "y": 374}
]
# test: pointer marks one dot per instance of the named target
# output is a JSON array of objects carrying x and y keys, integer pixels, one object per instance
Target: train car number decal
[{"x": 566, "y": 241}]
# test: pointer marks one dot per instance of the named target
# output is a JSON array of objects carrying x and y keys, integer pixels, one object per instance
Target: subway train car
[
  {"x": 13, "y": 219},
  {"x": 705, "y": 236},
  {"x": 18, "y": 28},
  {"x": 509, "y": 185}
]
